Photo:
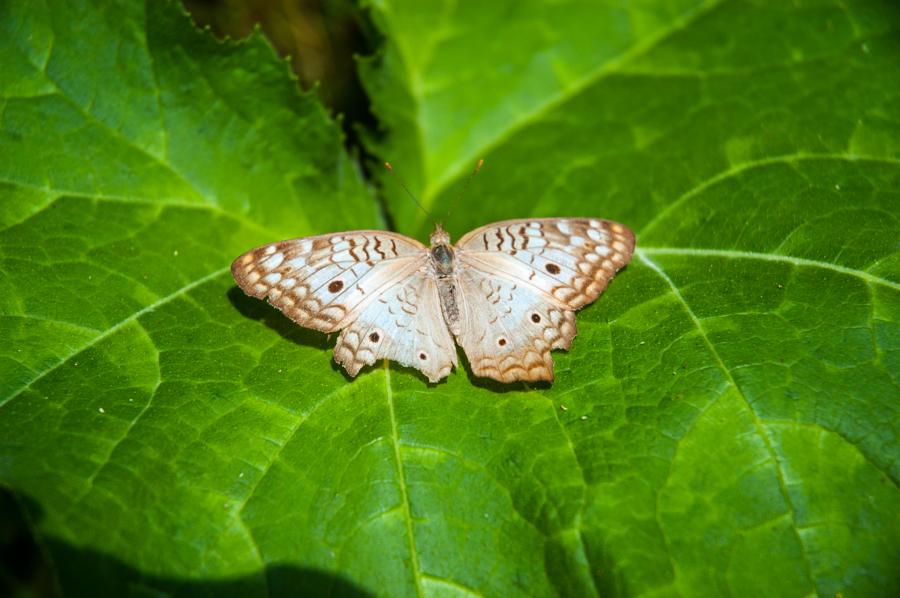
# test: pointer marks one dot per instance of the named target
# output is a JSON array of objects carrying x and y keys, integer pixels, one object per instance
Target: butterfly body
[
  {"x": 442, "y": 261},
  {"x": 506, "y": 292}
]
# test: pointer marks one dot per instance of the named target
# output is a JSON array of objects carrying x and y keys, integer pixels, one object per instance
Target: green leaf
[{"x": 725, "y": 423}]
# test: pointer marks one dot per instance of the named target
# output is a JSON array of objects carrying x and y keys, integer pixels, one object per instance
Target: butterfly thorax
[
  {"x": 444, "y": 270},
  {"x": 442, "y": 258}
]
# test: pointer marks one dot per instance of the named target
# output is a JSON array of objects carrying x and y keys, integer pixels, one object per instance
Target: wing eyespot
[
  {"x": 335, "y": 286},
  {"x": 552, "y": 268},
  {"x": 536, "y": 318}
]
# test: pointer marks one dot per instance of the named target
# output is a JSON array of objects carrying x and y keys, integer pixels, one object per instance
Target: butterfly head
[{"x": 439, "y": 236}]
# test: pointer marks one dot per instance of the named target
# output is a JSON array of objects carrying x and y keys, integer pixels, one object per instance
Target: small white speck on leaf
[
  {"x": 563, "y": 407},
  {"x": 643, "y": 342},
  {"x": 837, "y": 187},
  {"x": 240, "y": 475},
  {"x": 583, "y": 417},
  {"x": 175, "y": 253},
  {"x": 101, "y": 409}
]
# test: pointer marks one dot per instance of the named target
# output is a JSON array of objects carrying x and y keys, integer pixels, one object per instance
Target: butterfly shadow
[{"x": 261, "y": 311}]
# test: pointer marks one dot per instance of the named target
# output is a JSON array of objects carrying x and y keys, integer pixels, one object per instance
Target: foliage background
[{"x": 726, "y": 422}]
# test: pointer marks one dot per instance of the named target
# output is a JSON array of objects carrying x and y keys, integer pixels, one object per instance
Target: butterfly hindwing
[
  {"x": 403, "y": 324},
  {"x": 508, "y": 329}
]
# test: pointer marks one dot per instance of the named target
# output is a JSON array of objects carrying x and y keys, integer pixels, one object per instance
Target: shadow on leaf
[
  {"x": 261, "y": 311},
  {"x": 31, "y": 566}
]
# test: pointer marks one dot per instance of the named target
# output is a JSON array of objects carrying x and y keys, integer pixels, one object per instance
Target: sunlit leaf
[{"x": 726, "y": 421}]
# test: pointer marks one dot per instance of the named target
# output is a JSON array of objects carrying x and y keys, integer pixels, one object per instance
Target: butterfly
[{"x": 506, "y": 292}]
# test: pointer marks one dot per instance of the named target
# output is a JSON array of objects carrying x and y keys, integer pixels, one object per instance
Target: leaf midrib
[{"x": 401, "y": 481}]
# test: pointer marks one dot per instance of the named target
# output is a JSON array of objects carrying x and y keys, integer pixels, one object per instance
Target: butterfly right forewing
[{"x": 569, "y": 260}]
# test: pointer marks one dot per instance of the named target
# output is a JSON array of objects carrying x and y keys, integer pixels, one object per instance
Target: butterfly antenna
[
  {"x": 408, "y": 192},
  {"x": 465, "y": 188}
]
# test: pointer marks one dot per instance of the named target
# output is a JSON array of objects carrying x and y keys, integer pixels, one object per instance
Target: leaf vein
[
  {"x": 757, "y": 423},
  {"x": 605, "y": 69},
  {"x": 577, "y": 524},
  {"x": 115, "y": 328},
  {"x": 751, "y": 165},
  {"x": 401, "y": 478},
  {"x": 101, "y": 466},
  {"x": 769, "y": 257}
]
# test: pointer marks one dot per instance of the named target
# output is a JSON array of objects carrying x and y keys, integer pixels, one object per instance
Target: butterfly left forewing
[{"x": 323, "y": 282}]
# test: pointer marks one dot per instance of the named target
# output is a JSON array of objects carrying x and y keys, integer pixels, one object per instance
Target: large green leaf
[{"x": 726, "y": 421}]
